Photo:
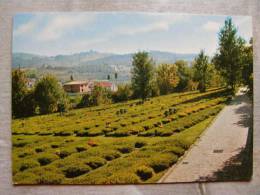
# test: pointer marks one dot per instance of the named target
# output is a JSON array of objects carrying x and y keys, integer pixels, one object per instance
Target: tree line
[{"x": 231, "y": 66}]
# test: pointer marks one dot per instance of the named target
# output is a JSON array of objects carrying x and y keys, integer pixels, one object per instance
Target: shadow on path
[{"x": 240, "y": 166}]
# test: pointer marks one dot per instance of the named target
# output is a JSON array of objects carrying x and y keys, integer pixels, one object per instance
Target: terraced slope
[{"x": 133, "y": 142}]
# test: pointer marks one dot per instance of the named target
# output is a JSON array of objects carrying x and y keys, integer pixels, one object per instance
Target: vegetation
[
  {"x": 133, "y": 135},
  {"x": 130, "y": 142},
  {"x": 142, "y": 75},
  {"x": 167, "y": 78},
  {"x": 202, "y": 72},
  {"x": 229, "y": 55}
]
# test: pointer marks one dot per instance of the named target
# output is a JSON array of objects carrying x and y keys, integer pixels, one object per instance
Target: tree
[
  {"x": 228, "y": 59},
  {"x": 167, "y": 78},
  {"x": 123, "y": 93},
  {"x": 97, "y": 97},
  {"x": 184, "y": 74},
  {"x": 142, "y": 74},
  {"x": 19, "y": 91},
  {"x": 201, "y": 71},
  {"x": 247, "y": 69},
  {"x": 48, "y": 94}
]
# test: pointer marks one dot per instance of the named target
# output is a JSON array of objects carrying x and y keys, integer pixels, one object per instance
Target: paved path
[{"x": 222, "y": 140}]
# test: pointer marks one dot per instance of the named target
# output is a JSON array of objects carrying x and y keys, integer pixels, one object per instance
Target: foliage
[
  {"x": 228, "y": 59},
  {"x": 184, "y": 74},
  {"x": 19, "y": 91},
  {"x": 142, "y": 74},
  {"x": 98, "y": 156},
  {"x": 48, "y": 93},
  {"x": 97, "y": 97},
  {"x": 202, "y": 72},
  {"x": 123, "y": 93},
  {"x": 167, "y": 78}
]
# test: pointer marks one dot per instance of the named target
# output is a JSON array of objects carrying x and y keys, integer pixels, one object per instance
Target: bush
[
  {"x": 95, "y": 162},
  {"x": 28, "y": 164},
  {"x": 111, "y": 155},
  {"x": 75, "y": 170},
  {"x": 38, "y": 150},
  {"x": 125, "y": 150},
  {"x": 46, "y": 159},
  {"x": 162, "y": 162},
  {"x": 144, "y": 172},
  {"x": 50, "y": 178},
  {"x": 81, "y": 148},
  {"x": 140, "y": 144},
  {"x": 63, "y": 133}
]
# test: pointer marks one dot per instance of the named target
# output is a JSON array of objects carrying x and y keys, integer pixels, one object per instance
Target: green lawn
[{"x": 132, "y": 142}]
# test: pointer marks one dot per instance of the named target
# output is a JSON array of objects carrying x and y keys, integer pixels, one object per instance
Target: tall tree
[
  {"x": 19, "y": 91},
  {"x": 167, "y": 78},
  {"x": 247, "y": 69},
  {"x": 48, "y": 94},
  {"x": 228, "y": 59},
  {"x": 142, "y": 74},
  {"x": 184, "y": 74},
  {"x": 201, "y": 71}
]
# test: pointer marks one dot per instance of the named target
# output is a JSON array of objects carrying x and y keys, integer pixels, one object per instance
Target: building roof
[
  {"x": 104, "y": 84},
  {"x": 76, "y": 83}
]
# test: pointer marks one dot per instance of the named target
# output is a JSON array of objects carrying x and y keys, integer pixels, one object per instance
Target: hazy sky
[{"x": 120, "y": 32}]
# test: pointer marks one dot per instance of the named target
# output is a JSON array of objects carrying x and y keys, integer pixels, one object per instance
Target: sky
[{"x": 120, "y": 32}]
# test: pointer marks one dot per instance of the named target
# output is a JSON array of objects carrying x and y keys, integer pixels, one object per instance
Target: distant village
[{"x": 80, "y": 86}]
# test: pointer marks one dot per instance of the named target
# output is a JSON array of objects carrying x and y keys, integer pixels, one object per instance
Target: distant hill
[{"x": 92, "y": 58}]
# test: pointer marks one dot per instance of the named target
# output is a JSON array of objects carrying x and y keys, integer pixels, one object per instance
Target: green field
[{"x": 131, "y": 142}]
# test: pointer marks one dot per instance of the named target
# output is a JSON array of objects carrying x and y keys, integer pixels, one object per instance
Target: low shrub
[
  {"x": 63, "y": 133},
  {"x": 81, "y": 148},
  {"x": 50, "y": 178},
  {"x": 76, "y": 170},
  {"x": 38, "y": 150},
  {"x": 29, "y": 164},
  {"x": 125, "y": 149},
  {"x": 162, "y": 162},
  {"x": 111, "y": 155},
  {"x": 95, "y": 162},
  {"x": 20, "y": 144},
  {"x": 144, "y": 172},
  {"x": 140, "y": 144},
  {"x": 46, "y": 159}
]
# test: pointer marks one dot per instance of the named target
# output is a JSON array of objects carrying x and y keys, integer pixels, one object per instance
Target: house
[
  {"x": 106, "y": 84},
  {"x": 78, "y": 86}
]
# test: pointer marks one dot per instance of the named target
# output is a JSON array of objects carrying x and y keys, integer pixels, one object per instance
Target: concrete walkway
[{"x": 222, "y": 140}]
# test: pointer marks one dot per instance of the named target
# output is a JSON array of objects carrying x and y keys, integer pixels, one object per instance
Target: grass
[{"x": 131, "y": 142}]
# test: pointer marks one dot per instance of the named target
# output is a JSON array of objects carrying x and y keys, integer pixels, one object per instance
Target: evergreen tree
[
  {"x": 201, "y": 71},
  {"x": 228, "y": 59},
  {"x": 142, "y": 75}
]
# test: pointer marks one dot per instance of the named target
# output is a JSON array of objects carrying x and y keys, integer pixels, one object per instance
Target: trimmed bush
[
  {"x": 95, "y": 162},
  {"x": 140, "y": 144},
  {"x": 81, "y": 148},
  {"x": 46, "y": 159},
  {"x": 38, "y": 150},
  {"x": 29, "y": 164},
  {"x": 144, "y": 172},
  {"x": 50, "y": 178},
  {"x": 75, "y": 170},
  {"x": 125, "y": 150}
]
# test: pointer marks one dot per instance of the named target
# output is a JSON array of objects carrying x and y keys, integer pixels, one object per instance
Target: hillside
[
  {"x": 130, "y": 142},
  {"x": 92, "y": 58}
]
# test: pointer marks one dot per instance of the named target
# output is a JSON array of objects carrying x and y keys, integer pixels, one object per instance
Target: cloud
[
  {"x": 29, "y": 27},
  {"x": 62, "y": 23},
  {"x": 211, "y": 26}
]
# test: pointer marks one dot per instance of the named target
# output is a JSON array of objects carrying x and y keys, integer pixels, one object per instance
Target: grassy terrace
[{"x": 132, "y": 142}]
